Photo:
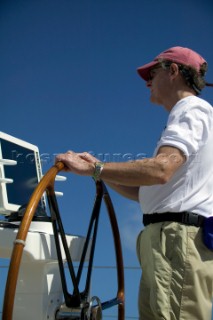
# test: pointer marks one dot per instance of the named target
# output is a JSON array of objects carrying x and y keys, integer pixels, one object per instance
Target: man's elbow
[{"x": 165, "y": 176}]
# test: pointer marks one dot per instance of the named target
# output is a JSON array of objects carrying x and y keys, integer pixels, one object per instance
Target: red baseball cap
[{"x": 180, "y": 55}]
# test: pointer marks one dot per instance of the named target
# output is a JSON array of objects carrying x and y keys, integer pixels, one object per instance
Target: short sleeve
[{"x": 188, "y": 128}]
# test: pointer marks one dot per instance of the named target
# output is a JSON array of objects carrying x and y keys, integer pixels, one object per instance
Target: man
[{"x": 175, "y": 190}]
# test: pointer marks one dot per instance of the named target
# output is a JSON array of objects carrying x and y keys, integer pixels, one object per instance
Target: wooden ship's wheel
[{"x": 77, "y": 305}]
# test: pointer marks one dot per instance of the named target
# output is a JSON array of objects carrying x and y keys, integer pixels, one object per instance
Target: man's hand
[{"x": 78, "y": 163}]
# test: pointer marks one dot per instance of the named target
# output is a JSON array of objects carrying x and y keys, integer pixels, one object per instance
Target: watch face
[{"x": 98, "y": 169}]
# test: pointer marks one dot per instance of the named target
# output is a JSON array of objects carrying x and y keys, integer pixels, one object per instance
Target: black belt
[{"x": 188, "y": 218}]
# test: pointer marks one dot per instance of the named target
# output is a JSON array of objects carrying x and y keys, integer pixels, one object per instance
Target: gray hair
[{"x": 193, "y": 79}]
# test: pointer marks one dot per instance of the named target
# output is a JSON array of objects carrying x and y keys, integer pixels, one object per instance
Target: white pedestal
[{"x": 38, "y": 292}]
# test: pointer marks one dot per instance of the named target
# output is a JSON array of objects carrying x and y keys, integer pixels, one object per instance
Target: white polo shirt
[{"x": 190, "y": 129}]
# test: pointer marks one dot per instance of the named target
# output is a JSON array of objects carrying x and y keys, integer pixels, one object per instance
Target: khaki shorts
[{"x": 177, "y": 273}]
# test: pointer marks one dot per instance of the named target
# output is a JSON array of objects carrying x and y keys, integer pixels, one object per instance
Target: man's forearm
[
  {"x": 133, "y": 174},
  {"x": 146, "y": 172}
]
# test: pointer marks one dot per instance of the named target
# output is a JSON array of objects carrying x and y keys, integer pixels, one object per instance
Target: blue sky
[{"x": 68, "y": 80}]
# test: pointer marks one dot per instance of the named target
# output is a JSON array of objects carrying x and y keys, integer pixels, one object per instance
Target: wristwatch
[{"x": 97, "y": 172}]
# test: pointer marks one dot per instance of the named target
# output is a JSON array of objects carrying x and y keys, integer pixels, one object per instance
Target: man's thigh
[{"x": 177, "y": 273}]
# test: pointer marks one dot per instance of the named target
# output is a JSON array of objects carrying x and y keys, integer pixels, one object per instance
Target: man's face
[{"x": 158, "y": 84}]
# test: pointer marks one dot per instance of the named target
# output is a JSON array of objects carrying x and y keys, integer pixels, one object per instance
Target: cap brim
[{"x": 144, "y": 70}]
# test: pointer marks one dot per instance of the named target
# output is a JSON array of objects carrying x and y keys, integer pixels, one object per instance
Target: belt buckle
[{"x": 190, "y": 218}]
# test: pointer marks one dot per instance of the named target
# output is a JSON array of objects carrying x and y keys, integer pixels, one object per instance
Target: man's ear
[{"x": 174, "y": 70}]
